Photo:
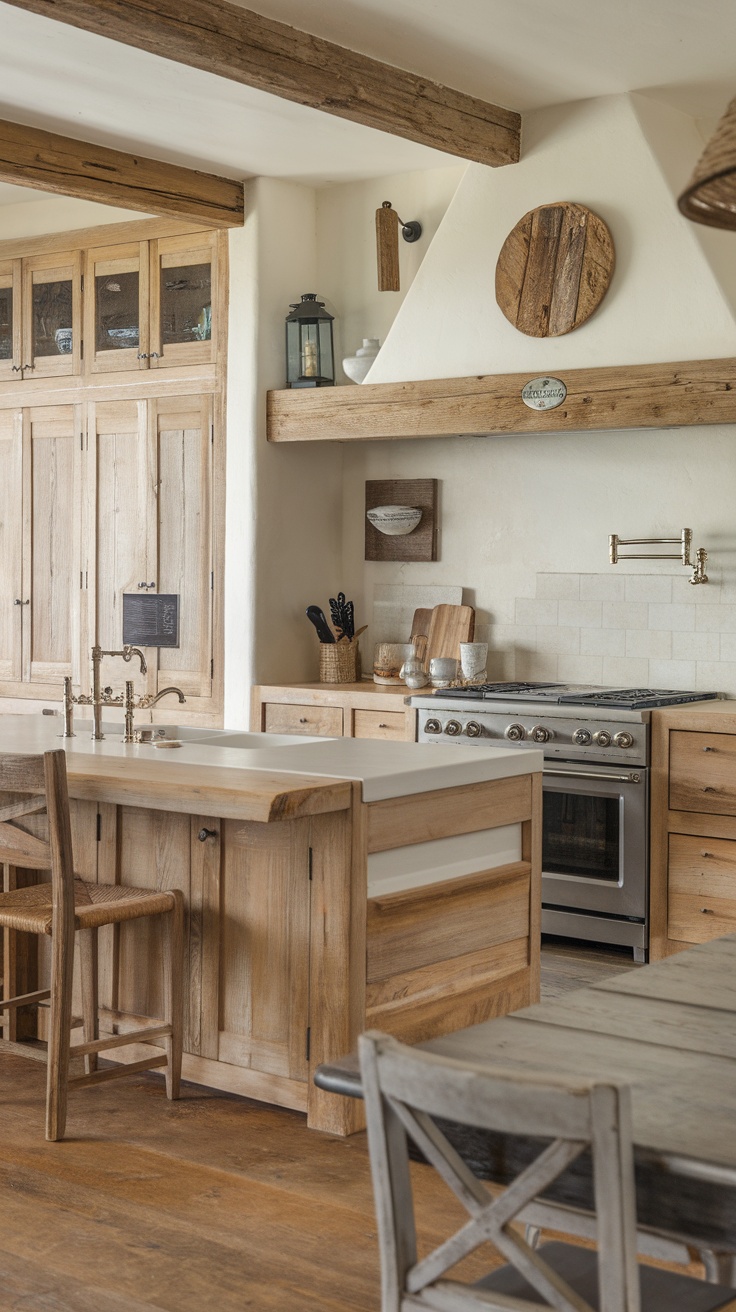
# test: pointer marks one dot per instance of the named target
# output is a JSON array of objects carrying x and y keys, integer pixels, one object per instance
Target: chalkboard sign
[{"x": 151, "y": 621}]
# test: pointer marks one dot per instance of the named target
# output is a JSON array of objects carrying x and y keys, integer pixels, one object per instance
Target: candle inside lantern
[{"x": 309, "y": 363}]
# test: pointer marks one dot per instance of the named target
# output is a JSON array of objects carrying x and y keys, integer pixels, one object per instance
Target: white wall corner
[{"x": 663, "y": 304}]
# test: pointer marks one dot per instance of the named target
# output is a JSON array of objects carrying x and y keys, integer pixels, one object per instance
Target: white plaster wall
[
  {"x": 37, "y": 217},
  {"x": 284, "y": 504},
  {"x": 346, "y": 250},
  {"x": 664, "y": 302}
]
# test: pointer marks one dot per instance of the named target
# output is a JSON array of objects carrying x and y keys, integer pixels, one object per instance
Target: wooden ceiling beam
[
  {"x": 245, "y": 47},
  {"x": 31, "y": 157}
]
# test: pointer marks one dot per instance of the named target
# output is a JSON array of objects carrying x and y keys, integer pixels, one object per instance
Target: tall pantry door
[
  {"x": 11, "y": 544},
  {"x": 52, "y": 460},
  {"x": 121, "y": 507},
  {"x": 181, "y": 430}
]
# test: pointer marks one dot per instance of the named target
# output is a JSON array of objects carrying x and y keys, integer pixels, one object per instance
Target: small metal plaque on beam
[
  {"x": 544, "y": 393},
  {"x": 151, "y": 621}
]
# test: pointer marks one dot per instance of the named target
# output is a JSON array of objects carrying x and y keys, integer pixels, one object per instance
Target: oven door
[{"x": 594, "y": 839}]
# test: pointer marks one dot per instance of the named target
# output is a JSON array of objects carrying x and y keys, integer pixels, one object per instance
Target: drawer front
[
  {"x": 321, "y": 721},
  {"x": 380, "y": 724},
  {"x": 702, "y": 888},
  {"x": 703, "y": 772}
]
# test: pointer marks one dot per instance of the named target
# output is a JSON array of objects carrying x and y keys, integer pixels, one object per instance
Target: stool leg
[
  {"x": 60, "y": 1022},
  {"x": 173, "y": 991},
  {"x": 90, "y": 1009}
]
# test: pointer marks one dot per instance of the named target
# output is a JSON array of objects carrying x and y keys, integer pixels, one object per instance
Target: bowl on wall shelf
[
  {"x": 356, "y": 366},
  {"x": 394, "y": 520}
]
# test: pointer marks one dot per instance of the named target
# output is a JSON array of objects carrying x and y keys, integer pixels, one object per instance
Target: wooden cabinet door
[
  {"x": 182, "y": 435},
  {"x": 10, "y": 321},
  {"x": 264, "y": 947},
  {"x": 11, "y": 544},
  {"x": 121, "y": 505},
  {"x": 51, "y": 564},
  {"x": 52, "y": 315},
  {"x": 116, "y": 310},
  {"x": 183, "y": 312}
]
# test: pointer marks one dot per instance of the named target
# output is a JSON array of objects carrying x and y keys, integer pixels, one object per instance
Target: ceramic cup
[
  {"x": 473, "y": 659},
  {"x": 442, "y": 671}
]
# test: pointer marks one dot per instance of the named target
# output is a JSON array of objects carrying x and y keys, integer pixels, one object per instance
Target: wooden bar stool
[{"x": 34, "y": 801}]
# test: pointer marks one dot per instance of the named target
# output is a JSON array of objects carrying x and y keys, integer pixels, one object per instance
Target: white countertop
[{"x": 385, "y": 769}]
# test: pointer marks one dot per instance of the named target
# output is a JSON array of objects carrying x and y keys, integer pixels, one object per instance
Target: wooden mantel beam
[
  {"x": 32, "y": 157},
  {"x": 615, "y": 397},
  {"x": 245, "y": 47}
]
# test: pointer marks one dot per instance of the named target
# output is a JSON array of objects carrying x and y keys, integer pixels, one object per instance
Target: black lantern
[{"x": 309, "y": 355}]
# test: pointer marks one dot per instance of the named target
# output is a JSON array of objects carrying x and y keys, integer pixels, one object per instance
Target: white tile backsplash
[{"x": 628, "y": 630}]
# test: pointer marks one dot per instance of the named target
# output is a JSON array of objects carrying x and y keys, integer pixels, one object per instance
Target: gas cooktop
[{"x": 569, "y": 694}]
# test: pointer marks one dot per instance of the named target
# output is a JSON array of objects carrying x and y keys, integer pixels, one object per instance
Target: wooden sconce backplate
[
  {"x": 421, "y": 543},
  {"x": 554, "y": 269}
]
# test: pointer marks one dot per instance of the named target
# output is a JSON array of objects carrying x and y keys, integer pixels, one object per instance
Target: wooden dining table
[{"x": 669, "y": 1031}]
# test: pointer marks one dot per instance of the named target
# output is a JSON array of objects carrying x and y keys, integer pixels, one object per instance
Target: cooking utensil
[
  {"x": 316, "y": 616},
  {"x": 343, "y": 616}
]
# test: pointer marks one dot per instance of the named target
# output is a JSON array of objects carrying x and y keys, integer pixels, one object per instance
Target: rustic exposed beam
[
  {"x": 618, "y": 397},
  {"x": 34, "y": 158},
  {"x": 245, "y": 47}
]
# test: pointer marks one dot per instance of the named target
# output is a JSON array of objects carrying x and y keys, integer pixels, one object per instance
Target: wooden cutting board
[
  {"x": 449, "y": 626},
  {"x": 554, "y": 269},
  {"x": 420, "y": 630}
]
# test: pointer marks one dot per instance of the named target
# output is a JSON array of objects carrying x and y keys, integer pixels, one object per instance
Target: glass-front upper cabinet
[
  {"x": 116, "y": 314},
  {"x": 10, "y": 334},
  {"x": 183, "y": 308},
  {"x": 51, "y": 315}
]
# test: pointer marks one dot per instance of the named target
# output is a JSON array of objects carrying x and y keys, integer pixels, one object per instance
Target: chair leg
[
  {"x": 173, "y": 992},
  {"x": 90, "y": 1007},
  {"x": 60, "y": 1023}
]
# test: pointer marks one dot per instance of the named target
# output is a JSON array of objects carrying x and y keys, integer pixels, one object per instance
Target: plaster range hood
[{"x": 669, "y": 301}]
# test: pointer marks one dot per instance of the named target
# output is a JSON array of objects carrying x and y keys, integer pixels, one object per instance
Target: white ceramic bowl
[{"x": 394, "y": 520}]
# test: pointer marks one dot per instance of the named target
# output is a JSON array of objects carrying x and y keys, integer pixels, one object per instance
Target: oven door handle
[{"x": 588, "y": 774}]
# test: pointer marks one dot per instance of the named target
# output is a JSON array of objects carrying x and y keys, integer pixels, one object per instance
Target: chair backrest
[
  {"x": 405, "y": 1088},
  {"x": 31, "y": 787}
]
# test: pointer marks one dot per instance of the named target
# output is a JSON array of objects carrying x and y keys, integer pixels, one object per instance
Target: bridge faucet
[
  {"x": 98, "y": 698},
  {"x": 148, "y": 698}
]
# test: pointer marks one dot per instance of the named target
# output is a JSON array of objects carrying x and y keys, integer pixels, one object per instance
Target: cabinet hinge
[
  {"x": 310, "y": 861},
  {"x": 308, "y": 1044},
  {"x": 99, "y": 827}
]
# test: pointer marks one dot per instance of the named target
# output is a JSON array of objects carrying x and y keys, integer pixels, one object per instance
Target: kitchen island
[{"x": 330, "y": 885}]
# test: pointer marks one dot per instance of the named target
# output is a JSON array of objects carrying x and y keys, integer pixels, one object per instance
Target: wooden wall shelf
[{"x": 618, "y": 397}]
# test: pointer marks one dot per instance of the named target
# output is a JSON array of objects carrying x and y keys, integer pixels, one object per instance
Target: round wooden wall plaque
[{"x": 554, "y": 269}]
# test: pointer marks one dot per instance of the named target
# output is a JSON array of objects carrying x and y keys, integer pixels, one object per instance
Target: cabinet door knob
[
  {"x": 204, "y": 834},
  {"x": 302, "y": 719},
  {"x": 142, "y": 355},
  {"x": 18, "y": 602},
  {"x": 709, "y": 749},
  {"x": 707, "y": 911},
  {"x": 154, "y": 355}
]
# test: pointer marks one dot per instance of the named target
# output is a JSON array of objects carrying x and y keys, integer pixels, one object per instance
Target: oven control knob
[
  {"x": 539, "y": 734},
  {"x": 602, "y": 738},
  {"x": 582, "y": 737},
  {"x": 623, "y": 740},
  {"x": 453, "y": 727},
  {"x": 433, "y": 726},
  {"x": 473, "y": 729},
  {"x": 516, "y": 733}
]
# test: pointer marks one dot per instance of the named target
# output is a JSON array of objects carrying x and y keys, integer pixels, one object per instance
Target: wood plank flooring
[{"x": 209, "y": 1203}]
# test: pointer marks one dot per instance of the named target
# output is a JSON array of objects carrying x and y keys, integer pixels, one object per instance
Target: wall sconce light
[{"x": 387, "y": 244}]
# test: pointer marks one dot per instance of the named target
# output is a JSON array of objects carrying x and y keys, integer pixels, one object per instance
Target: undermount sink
[{"x": 235, "y": 738}]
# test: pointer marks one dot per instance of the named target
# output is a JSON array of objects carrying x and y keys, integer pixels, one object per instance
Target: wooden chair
[
  {"x": 35, "y": 833},
  {"x": 405, "y": 1088}
]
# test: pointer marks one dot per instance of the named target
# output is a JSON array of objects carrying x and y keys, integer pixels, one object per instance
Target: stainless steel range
[{"x": 595, "y": 833}]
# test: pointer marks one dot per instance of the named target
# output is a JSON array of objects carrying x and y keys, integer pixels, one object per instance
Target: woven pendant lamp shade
[{"x": 710, "y": 196}]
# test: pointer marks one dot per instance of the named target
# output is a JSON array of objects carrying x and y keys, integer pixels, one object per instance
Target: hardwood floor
[
  {"x": 212, "y": 1202},
  {"x": 571, "y": 964}
]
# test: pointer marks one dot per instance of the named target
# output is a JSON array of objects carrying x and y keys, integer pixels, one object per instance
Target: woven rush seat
[
  {"x": 35, "y": 835},
  {"x": 31, "y": 909}
]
